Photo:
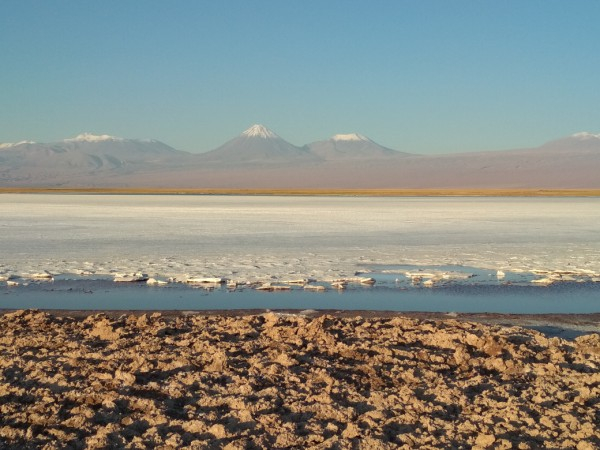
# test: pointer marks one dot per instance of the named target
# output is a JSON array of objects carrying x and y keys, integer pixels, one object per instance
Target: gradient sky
[{"x": 419, "y": 76}]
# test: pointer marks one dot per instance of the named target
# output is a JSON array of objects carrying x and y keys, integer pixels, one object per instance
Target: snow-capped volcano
[
  {"x": 582, "y": 141},
  {"x": 351, "y": 146},
  {"x": 260, "y": 131},
  {"x": 258, "y": 145}
]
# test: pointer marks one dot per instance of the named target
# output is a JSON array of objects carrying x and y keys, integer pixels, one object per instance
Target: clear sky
[{"x": 419, "y": 76}]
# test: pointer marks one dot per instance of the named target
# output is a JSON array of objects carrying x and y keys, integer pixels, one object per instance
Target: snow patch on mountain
[
  {"x": 584, "y": 136},
  {"x": 260, "y": 131},
  {"x": 350, "y": 137},
  {"x": 15, "y": 144},
  {"x": 89, "y": 137}
]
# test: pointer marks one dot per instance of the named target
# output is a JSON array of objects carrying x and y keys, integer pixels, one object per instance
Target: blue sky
[{"x": 419, "y": 76}]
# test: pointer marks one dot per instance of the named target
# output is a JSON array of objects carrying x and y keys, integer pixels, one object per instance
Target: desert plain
[
  {"x": 278, "y": 380},
  {"x": 312, "y": 192}
]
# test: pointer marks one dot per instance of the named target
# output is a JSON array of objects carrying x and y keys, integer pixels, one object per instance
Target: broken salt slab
[
  {"x": 543, "y": 281},
  {"x": 457, "y": 275},
  {"x": 38, "y": 276},
  {"x": 207, "y": 286},
  {"x": 301, "y": 281},
  {"x": 12, "y": 283},
  {"x": 273, "y": 287},
  {"x": 315, "y": 287},
  {"x": 420, "y": 275},
  {"x": 562, "y": 277},
  {"x": 201, "y": 280},
  {"x": 264, "y": 287},
  {"x": 278, "y": 287},
  {"x": 359, "y": 280},
  {"x": 131, "y": 278},
  {"x": 156, "y": 282}
]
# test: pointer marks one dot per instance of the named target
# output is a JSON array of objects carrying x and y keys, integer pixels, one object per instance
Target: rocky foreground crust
[{"x": 281, "y": 381}]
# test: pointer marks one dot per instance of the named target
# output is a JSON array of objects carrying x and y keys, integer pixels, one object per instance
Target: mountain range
[{"x": 259, "y": 158}]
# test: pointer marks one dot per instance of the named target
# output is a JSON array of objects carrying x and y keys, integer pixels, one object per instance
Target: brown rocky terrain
[{"x": 289, "y": 381}]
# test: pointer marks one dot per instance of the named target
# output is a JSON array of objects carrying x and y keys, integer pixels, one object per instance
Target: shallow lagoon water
[
  {"x": 485, "y": 295},
  {"x": 264, "y": 238}
]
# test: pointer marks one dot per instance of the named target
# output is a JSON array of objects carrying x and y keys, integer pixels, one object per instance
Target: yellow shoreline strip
[{"x": 318, "y": 192}]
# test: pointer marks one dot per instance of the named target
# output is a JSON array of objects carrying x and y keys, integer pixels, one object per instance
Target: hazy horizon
[
  {"x": 91, "y": 138},
  {"x": 423, "y": 77}
]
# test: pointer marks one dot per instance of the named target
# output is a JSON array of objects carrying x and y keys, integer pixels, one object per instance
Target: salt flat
[{"x": 276, "y": 238}]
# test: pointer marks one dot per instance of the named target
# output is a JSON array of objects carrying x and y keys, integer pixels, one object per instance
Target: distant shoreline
[{"x": 316, "y": 192}]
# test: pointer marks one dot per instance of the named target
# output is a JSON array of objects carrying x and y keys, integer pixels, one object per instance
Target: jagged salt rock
[
  {"x": 155, "y": 282},
  {"x": 500, "y": 274}
]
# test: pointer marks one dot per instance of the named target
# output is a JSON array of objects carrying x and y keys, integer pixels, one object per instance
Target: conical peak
[
  {"x": 350, "y": 137},
  {"x": 259, "y": 131}
]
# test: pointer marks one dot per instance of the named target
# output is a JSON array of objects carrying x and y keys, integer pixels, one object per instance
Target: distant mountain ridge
[
  {"x": 259, "y": 158},
  {"x": 85, "y": 156}
]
